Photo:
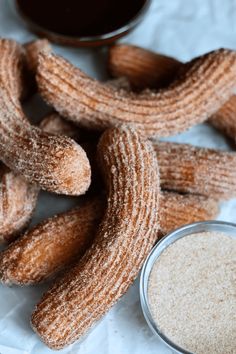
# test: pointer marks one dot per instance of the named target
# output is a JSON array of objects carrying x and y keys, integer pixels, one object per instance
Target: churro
[
  {"x": 50, "y": 246},
  {"x": 145, "y": 69},
  {"x": 56, "y": 164},
  {"x": 188, "y": 169},
  {"x": 196, "y": 94},
  {"x": 125, "y": 237},
  {"x": 141, "y": 67}
]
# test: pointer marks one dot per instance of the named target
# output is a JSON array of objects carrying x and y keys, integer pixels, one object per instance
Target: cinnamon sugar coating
[
  {"x": 145, "y": 69},
  {"x": 192, "y": 98},
  {"x": 51, "y": 245},
  {"x": 56, "y": 164},
  {"x": 125, "y": 237},
  {"x": 18, "y": 198},
  {"x": 188, "y": 169},
  {"x": 141, "y": 67},
  {"x": 177, "y": 210},
  {"x": 17, "y": 202}
]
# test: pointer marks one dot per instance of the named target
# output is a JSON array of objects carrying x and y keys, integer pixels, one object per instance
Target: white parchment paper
[{"x": 180, "y": 28}]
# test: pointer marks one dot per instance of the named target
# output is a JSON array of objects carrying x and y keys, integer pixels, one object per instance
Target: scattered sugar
[{"x": 192, "y": 293}]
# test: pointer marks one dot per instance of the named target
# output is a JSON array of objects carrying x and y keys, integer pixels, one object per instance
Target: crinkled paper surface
[{"x": 180, "y": 28}]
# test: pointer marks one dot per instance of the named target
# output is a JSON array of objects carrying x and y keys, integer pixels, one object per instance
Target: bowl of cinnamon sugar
[{"x": 188, "y": 288}]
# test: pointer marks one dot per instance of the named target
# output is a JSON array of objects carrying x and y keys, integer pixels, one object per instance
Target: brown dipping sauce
[{"x": 80, "y": 18}]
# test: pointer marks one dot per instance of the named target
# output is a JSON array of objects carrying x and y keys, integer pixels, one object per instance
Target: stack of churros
[{"x": 144, "y": 188}]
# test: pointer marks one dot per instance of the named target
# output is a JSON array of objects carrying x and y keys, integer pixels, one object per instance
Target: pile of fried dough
[{"x": 99, "y": 140}]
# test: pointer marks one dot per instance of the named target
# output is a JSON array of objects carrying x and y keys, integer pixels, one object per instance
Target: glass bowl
[
  {"x": 218, "y": 226},
  {"x": 90, "y": 41}
]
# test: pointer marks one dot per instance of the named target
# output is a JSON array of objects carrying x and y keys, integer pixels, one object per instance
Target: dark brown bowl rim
[{"x": 88, "y": 40}]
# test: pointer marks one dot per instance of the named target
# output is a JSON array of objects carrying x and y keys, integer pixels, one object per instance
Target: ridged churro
[
  {"x": 188, "y": 169},
  {"x": 177, "y": 210},
  {"x": 141, "y": 67},
  {"x": 67, "y": 235},
  {"x": 196, "y": 94},
  {"x": 125, "y": 237},
  {"x": 56, "y": 164},
  {"x": 145, "y": 69},
  {"x": 50, "y": 246}
]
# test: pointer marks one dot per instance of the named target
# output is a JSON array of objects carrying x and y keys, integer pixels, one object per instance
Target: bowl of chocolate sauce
[{"x": 82, "y": 22}]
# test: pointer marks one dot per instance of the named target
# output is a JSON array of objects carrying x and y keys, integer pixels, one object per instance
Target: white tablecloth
[{"x": 180, "y": 28}]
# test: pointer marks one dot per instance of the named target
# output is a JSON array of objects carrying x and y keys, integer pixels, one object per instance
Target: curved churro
[
  {"x": 188, "y": 169},
  {"x": 66, "y": 236},
  {"x": 177, "y": 210},
  {"x": 51, "y": 245},
  {"x": 141, "y": 67},
  {"x": 126, "y": 235},
  {"x": 198, "y": 93},
  {"x": 56, "y": 164}
]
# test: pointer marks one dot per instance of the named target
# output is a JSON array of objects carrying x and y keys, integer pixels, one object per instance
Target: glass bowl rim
[{"x": 161, "y": 245}]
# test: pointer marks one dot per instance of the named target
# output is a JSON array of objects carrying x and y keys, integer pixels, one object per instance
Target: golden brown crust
[
  {"x": 17, "y": 197},
  {"x": 177, "y": 210},
  {"x": 51, "y": 245},
  {"x": 56, "y": 164},
  {"x": 17, "y": 203},
  {"x": 195, "y": 95},
  {"x": 188, "y": 169},
  {"x": 124, "y": 239},
  {"x": 141, "y": 67}
]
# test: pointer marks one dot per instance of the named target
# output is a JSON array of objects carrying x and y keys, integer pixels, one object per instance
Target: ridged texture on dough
[
  {"x": 51, "y": 245},
  {"x": 145, "y": 69},
  {"x": 188, "y": 169},
  {"x": 127, "y": 233},
  {"x": 192, "y": 98},
  {"x": 56, "y": 164}
]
